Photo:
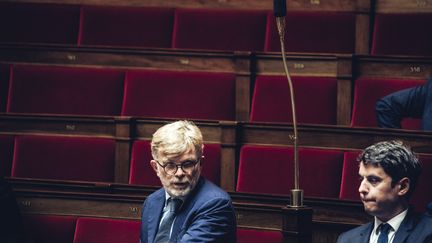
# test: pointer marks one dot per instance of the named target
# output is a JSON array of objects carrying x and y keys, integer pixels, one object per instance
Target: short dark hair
[{"x": 396, "y": 159}]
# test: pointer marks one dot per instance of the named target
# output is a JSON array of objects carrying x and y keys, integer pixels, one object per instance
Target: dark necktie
[
  {"x": 383, "y": 236},
  {"x": 163, "y": 234}
]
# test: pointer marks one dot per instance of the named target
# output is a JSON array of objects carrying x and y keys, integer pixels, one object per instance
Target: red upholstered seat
[
  {"x": 49, "y": 228},
  {"x": 141, "y": 172},
  {"x": 350, "y": 182},
  {"x": 218, "y": 29},
  {"x": 366, "y": 93},
  {"x": 127, "y": 26},
  {"x": 422, "y": 195},
  {"x": 4, "y": 85},
  {"x": 106, "y": 230},
  {"x": 39, "y": 23},
  {"x": 316, "y": 100},
  {"x": 6, "y": 154},
  {"x": 328, "y": 32},
  {"x": 65, "y": 90},
  {"x": 64, "y": 158},
  {"x": 258, "y": 236},
  {"x": 320, "y": 171},
  {"x": 171, "y": 94},
  {"x": 402, "y": 34}
]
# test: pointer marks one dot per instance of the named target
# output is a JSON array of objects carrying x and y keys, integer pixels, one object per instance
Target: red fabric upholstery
[
  {"x": 316, "y": 100},
  {"x": 402, "y": 34},
  {"x": 259, "y": 164},
  {"x": 422, "y": 195},
  {"x": 65, "y": 90},
  {"x": 39, "y": 23},
  {"x": 64, "y": 158},
  {"x": 366, "y": 93},
  {"x": 106, "y": 230},
  {"x": 217, "y": 29},
  {"x": 6, "y": 154},
  {"x": 127, "y": 26},
  {"x": 258, "y": 236},
  {"x": 328, "y": 32},
  {"x": 4, "y": 85},
  {"x": 50, "y": 229},
  {"x": 141, "y": 172},
  {"x": 350, "y": 182},
  {"x": 194, "y": 95}
]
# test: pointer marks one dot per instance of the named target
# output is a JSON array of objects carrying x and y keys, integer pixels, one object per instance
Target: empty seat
[
  {"x": 127, "y": 26},
  {"x": 170, "y": 94},
  {"x": 50, "y": 228},
  {"x": 258, "y": 236},
  {"x": 4, "y": 85},
  {"x": 315, "y": 165},
  {"x": 402, "y": 34},
  {"x": 65, "y": 90},
  {"x": 367, "y": 91},
  {"x": 64, "y": 158},
  {"x": 325, "y": 32},
  {"x": 39, "y": 23},
  {"x": 142, "y": 173},
  {"x": 106, "y": 230},
  {"x": 6, "y": 154},
  {"x": 315, "y": 97},
  {"x": 350, "y": 183},
  {"x": 217, "y": 29}
]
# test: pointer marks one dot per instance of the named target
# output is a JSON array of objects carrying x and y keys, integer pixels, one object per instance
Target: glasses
[{"x": 171, "y": 168}]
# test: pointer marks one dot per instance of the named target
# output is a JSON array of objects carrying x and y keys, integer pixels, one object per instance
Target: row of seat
[
  {"x": 49, "y": 89},
  {"x": 72, "y": 229},
  {"x": 323, "y": 31},
  {"x": 324, "y": 173}
]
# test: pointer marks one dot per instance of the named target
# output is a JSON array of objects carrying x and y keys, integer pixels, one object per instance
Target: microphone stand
[{"x": 296, "y": 193}]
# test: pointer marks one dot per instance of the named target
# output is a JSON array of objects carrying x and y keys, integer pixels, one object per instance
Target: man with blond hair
[{"x": 188, "y": 208}]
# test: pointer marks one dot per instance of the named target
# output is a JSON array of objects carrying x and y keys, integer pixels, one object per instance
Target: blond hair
[{"x": 176, "y": 138}]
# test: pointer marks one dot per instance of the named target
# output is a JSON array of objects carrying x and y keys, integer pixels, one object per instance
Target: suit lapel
[
  {"x": 365, "y": 234},
  {"x": 155, "y": 214},
  {"x": 405, "y": 228}
]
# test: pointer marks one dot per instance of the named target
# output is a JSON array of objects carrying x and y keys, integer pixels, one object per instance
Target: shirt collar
[{"x": 394, "y": 222}]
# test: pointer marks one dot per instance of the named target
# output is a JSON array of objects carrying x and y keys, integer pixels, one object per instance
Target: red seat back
[
  {"x": 422, "y": 195},
  {"x": 64, "y": 158},
  {"x": 6, "y": 154},
  {"x": 258, "y": 236},
  {"x": 49, "y": 228},
  {"x": 350, "y": 183}
]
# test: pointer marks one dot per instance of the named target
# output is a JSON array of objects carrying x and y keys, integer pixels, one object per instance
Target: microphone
[{"x": 279, "y": 7}]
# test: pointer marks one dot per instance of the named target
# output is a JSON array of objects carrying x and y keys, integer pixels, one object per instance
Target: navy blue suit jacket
[
  {"x": 413, "y": 102},
  {"x": 207, "y": 215},
  {"x": 407, "y": 232}
]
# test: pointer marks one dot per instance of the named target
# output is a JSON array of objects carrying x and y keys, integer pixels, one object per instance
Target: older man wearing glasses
[{"x": 188, "y": 208}]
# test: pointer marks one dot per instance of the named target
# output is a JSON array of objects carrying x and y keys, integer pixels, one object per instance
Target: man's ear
[
  {"x": 154, "y": 165},
  {"x": 403, "y": 186}
]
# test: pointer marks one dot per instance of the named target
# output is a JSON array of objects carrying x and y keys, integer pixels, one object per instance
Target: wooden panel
[{"x": 404, "y": 6}]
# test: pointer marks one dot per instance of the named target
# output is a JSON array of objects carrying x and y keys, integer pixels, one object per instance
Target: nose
[
  {"x": 363, "y": 187},
  {"x": 179, "y": 172}
]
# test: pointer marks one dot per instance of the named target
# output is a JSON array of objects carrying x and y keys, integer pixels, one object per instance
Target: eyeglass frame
[{"x": 178, "y": 166}]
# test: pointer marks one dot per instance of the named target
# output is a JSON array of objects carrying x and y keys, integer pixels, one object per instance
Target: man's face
[
  {"x": 379, "y": 198},
  {"x": 181, "y": 183}
]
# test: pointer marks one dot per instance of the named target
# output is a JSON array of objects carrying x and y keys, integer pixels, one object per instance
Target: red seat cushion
[
  {"x": 315, "y": 97},
  {"x": 142, "y": 173},
  {"x": 106, "y": 230},
  {"x": 64, "y": 158},
  {"x": 218, "y": 29},
  {"x": 39, "y": 23},
  {"x": 402, "y": 34},
  {"x": 4, "y": 85},
  {"x": 367, "y": 91},
  {"x": 258, "y": 236},
  {"x": 65, "y": 90},
  {"x": 6, "y": 154},
  {"x": 169, "y": 94},
  {"x": 49, "y": 228},
  {"x": 262, "y": 162},
  {"x": 328, "y": 32},
  {"x": 127, "y": 26}
]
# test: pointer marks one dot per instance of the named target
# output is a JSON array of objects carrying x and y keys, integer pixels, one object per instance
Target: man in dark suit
[
  {"x": 414, "y": 103},
  {"x": 388, "y": 173},
  {"x": 188, "y": 208}
]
